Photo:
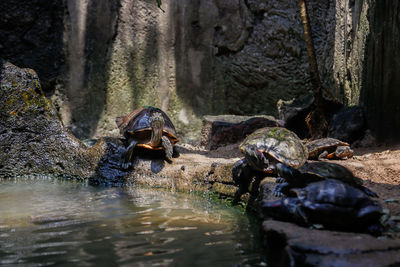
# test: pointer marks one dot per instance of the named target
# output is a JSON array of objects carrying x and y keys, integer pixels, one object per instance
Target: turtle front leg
[
  {"x": 280, "y": 180},
  {"x": 242, "y": 175},
  {"x": 166, "y": 144},
  {"x": 325, "y": 155},
  {"x": 127, "y": 156},
  {"x": 281, "y": 189}
]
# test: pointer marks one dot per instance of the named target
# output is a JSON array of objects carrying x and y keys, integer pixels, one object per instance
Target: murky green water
[{"x": 47, "y": 221}]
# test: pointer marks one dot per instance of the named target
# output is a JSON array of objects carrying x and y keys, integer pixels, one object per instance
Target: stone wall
[
  {"x": 101, "y": 59},
  {"x": 380, "y": 93}
]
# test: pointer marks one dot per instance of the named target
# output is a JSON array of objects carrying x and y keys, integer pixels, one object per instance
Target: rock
[
  {"x": 32, "y": 36},
  {"x": 293, "y": 113},
  {"x": 229, "y": 129},
  {"x": 108, "y": 170},
  {"x": 32, "y": 138},
  {"x": 292, "y": 245},
  {"x": 368, "y": 140},
  {"x": 348, "y": 124}
]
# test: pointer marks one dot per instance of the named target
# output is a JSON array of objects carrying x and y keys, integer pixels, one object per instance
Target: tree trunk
[{"x": 316, "y": 121}]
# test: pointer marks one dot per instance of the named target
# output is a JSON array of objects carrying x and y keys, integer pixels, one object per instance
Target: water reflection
[{"x": 62, "y": 222}]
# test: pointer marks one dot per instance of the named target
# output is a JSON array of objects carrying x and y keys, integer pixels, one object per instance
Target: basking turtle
[
  {"x": 147, "y": 127},
  {"x": 331, "y": 203},
  {"x": 263, "y": 149},
  {"x": 328, "y": 148},
  {"x": 313, "y": 172}
]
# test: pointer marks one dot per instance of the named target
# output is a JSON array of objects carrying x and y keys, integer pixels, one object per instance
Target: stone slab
[{"x": 221, "y": 130}]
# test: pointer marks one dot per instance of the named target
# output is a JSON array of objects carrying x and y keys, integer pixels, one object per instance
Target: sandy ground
[{"x": 379, "y": 167}]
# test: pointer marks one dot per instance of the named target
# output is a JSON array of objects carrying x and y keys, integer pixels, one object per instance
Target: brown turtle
[
  {"x": 263, "y": 150},
  {"x": 328, "y": 148},
  {"x": 147, "y": 127},
  {"x": 270, "y": 145}
]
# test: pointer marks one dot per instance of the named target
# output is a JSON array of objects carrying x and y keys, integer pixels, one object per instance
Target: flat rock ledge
[{"x": 292, "y": 245}]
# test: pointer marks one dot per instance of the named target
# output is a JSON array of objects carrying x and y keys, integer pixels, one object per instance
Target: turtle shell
[
  {"x": 278, "y": 144},
  {"x": 332, "y": 202},
  {"x": 318, "y": 146},
  {"x": 327, "y": 170},
  {"x": 137, "y": 125},
  {"x": 319, "y": 171}
]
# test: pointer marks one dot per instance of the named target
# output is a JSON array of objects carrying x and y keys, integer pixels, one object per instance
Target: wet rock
[
  {"x": 32, "y": 138},
  {"x": 225, "y": 190},
  {"x": 292, "y": 245},
  {"x": 348, "y": 124},
  {"x": 109, "y": 170},
  {"x": 229, "y": 129}
]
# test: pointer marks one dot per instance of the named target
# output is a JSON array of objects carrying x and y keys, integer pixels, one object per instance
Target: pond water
[{"x": 46, "y": 221}]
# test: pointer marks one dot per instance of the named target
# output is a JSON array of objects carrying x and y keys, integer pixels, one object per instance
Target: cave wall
[
  {"x": 371, "y": 77},
  {"x": 31, "y": 35},
  {"x": 381, "y": 91},
  {"x": 100, "y": 59}
]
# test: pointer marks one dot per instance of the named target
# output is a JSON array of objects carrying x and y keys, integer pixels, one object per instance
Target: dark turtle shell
[
  {"x": 327, "y": 170},
  {"x": 334, "y": 202},
  {"x": 277, "y": 143},
  {"x": 316, "y": 147},
  {"x": 137, "y": 125},
  {"x": 318, "y": 171},
  {"x": 331, "y": 203}
]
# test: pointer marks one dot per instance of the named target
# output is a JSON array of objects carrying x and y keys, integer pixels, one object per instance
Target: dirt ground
[{"x": 379, "y": 167}]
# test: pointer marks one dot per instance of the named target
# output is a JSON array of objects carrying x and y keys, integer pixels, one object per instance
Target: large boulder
[
  {"x": 222, "y": 130},
  {"x": 348, "y": 124},
  {"x": 32, "y": 137}
]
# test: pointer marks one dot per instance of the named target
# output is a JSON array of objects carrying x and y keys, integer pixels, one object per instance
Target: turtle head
[
  {"x": 256, "y": 159},
  {"x": 288, "y": 209},
  {"x": 157, "y": 120},
  {"x": 157, "y": 125},
  {"x": 288, "y": 173}
]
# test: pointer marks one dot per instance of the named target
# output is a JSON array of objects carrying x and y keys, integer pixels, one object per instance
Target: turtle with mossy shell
[
  {"x": 263, "y": 150},
  {"x": 328, "y": 148},
  {"x": 331, "y": 203},
  {"x": 310, "y": 172},
  {"x": 147, "y": 127}
]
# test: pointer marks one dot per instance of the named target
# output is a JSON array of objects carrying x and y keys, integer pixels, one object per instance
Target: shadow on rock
[{"x": 109, "y": 170}]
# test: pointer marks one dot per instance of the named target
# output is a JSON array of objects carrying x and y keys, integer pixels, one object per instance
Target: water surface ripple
[{"x": 49, "y": 221}]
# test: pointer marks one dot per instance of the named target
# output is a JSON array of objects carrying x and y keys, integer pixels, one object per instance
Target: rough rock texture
[
  {"x": 348, "y": 124},
  {"x": 197, "y": 58},
  {"x": 32, "y": 138},
  {"x": 101, "y": 59},
  {"x": 292, "y": 245},
  {"x": 230, "y": 129},
  {"x": 31, "y": 34},
  {"x": 380, "y": 93},
  {"x": 369, "y": 69}
]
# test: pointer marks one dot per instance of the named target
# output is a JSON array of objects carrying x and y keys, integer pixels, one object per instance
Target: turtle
[
  {"x": 262, "y": 150},
  {"x": 147, "y": 127},
  {"x": 290, "y": 177},
  {"x": 330, "y": 203},
  {"x": 328, "y": 148}
]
